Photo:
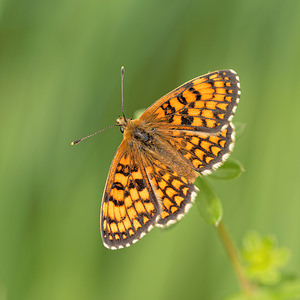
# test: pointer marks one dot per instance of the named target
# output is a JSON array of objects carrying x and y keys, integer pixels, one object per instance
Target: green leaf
[
  {"x": 239, "y": 129},
  {"x": 231, "y": 169},
  {"x": 208, "y": 203},
  {"x": 138, "y": 113}
]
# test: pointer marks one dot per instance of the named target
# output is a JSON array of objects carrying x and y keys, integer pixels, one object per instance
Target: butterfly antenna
[
  {"x": 122, "y": 77},
  {"x": 78, "y": 141}
]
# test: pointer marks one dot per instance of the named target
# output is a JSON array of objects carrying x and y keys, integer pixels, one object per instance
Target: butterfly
[{"x": 185, "y": 134}]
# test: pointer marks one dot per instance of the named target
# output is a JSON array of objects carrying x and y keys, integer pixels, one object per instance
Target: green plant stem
[{"x": 233, "y": 256}]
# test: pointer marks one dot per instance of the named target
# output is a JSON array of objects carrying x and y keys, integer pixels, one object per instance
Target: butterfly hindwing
[
  {"x": 205, "y": 152},
  {"x": 176, "y": 193},
  {"x": 205, "y": 104},
  {"x": 201, "y": 153},
  {"x": 129, "y": 206}
]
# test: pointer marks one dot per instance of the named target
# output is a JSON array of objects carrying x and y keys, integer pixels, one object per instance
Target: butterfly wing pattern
[
  {"x": 129, "y": 206},
  {"x": 184, "y": 134},
  {"x": 176, "y": 191},
  {"x": 204, "y": 104}
]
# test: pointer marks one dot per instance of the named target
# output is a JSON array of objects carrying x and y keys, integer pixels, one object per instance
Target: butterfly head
[{"x": 122, "y": 122}]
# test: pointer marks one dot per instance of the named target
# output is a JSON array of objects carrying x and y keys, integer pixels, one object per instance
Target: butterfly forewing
[{"x": 205, "y": 104}]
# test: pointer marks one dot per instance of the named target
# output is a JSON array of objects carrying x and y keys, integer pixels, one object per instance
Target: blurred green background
[{"x": 60, "y": 80}]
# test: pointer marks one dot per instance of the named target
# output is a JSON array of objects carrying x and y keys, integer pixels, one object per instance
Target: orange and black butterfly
[{"x": 184, "y": 134}]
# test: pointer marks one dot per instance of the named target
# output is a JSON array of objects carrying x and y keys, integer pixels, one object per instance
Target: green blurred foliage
[
  {"x": 209, "y": 204},
  {"x": 287, "y": 289},
  {"x": 60, "y": 80},
  {"x": 263, "y": 259}
]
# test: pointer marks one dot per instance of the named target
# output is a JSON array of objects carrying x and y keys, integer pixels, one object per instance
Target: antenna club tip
[
  {"x": 122, "y": 70},
  {"x": 75, "y": 142}
]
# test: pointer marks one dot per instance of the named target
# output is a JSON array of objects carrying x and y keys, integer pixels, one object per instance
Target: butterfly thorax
[
  {"x": 152, "y": 144},
  {"x": 134, "y": 130}
]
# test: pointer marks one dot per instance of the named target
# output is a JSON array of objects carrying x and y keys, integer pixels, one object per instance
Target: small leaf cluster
[
  {"x": 263, "y": 258},
  {"x": 263, "y": 261}
]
